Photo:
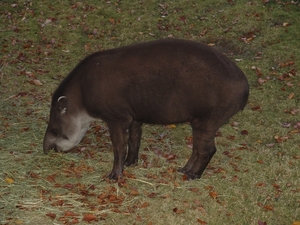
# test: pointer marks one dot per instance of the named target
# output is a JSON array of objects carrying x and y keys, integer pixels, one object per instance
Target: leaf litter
[{"x": 70, "y": 189}]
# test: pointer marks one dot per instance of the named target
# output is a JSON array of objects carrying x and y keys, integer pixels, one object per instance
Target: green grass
[{"x": 252, "y": 179}]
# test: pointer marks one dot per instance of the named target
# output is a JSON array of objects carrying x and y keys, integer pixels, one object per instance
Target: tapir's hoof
[
  {"x": 114, "y": 176},
  {"x": 129, "y": 162},
  {"x": 182, "y": 170},
  {"x": 189, "y": 174}
]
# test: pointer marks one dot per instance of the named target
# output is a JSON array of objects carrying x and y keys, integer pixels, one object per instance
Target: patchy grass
[{"x": 252, "y": 179}]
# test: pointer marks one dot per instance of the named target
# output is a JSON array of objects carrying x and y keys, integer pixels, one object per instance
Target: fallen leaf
[
  {"x": 285, "y": 124},
  {"x": 178, "y": 211},
  {"x": 234, "y": 178},
  {"x": 260, "y": 81},
  {"x": 244, "y": 132},
  {"x": 9, "y": 180},
  {"x": 260, "y": 184},
  {"x": 296, "y": 223},
  {"x": 68, "y": 186},
  {"x": 70, "y": 214},
  {"x": 51, "y": 178},
  {"x": 260, "y": 161},
  {"x": 280, "y": 139},
  {"x": 292, "y": 111},
  {"x": 37, "y": 82},
  {"x": 201, "y": 222},
  {"x": 291, "y": 96},
  {"x": 34, "y": 175},
  {"x": 89, "y": 217},
  {"x": 285, "y": 24},
  {"x": 269, "y": 207},
  {"x": 258, "y": 72},
  {"x": 256, "y": 108},
  {"x": 144, "y": 205},
  {"x": 261, "y": 223},
  {"x": 294, "y": 132},
  {"x": 51, "y": 215},
  {"x": 213, "y": 194},
  {"x": 111, "y": 20}
]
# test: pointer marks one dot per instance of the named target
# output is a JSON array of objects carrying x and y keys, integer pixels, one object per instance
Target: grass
[{"x": 252, "y": 179}]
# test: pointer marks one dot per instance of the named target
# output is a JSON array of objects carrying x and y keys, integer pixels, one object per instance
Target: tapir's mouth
[{"x": 51, "y": 147}]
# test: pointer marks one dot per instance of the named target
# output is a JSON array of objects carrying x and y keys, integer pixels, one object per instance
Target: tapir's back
[{"x": 163, "y": 81}]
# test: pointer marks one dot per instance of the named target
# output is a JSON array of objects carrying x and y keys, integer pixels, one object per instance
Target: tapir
[{"x": 164, "y": 82}]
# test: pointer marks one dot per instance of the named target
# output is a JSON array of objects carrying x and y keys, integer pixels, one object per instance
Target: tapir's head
[{"x": 67, "y": 125}]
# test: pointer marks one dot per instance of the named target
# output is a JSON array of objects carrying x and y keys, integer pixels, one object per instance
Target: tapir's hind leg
[
  {"x": 135, "y": 132},
  {"x": 203, "y": 148}
]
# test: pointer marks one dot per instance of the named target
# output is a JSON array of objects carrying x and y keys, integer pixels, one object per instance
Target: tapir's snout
[{"x": 47, "y": 145}]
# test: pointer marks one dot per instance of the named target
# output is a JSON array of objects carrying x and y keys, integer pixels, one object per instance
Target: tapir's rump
[{"x": 159, "y": 82}]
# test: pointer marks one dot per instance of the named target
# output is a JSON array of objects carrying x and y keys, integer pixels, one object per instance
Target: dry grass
[{"x": 253, "y": 178}]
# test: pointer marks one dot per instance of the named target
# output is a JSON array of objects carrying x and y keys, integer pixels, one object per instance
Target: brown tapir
[{"x": 159, "y": 82}]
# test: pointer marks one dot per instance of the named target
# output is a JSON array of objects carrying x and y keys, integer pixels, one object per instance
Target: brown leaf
[
  {"x": 261, "y": 223},
  {"x": 51, "y": 215},
  {"x": 111, "y": 20},
  {"x": 185, "y": 177},
  {"x": 89, "y": 217},
  {"x": 213, "y": 194},
  {"x": 33, "y": 175},
  {"x": 58, "y": 203},
  {"x": 51, "y": 178},
  {"x": 280, "y": 139},
  {"x": 70, "y": 214},
  {"x": 234, "y": 178},
  {"x": 291, "y": 96},
  {"x": 268, "y": 207},
  {"x": 260, "y": 184},
  {"x": 139, "y": 218},
  {"x": 231, "y": 137},
  {"x": 74, "y": 221},
  {"x": 256, "y": 108},
  {"x": 22, "y": 94},
  {"x": 290, "y": 63},
  {"x": 201, "y": 222},
  {"x": 194, "y": 189},
  {"x": 244, "y": 132},
  {"x": 144, "y": 205},
  {"x": 178, "y": 211},
  {"x": 68, "y": 186},
  {"x": 182, "y": 18},
  {"x": 292, "y": 111},
  {"x": 258, "y": 72}
]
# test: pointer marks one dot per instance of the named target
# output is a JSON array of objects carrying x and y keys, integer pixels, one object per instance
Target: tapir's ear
[{"x": 62, "y": 103}]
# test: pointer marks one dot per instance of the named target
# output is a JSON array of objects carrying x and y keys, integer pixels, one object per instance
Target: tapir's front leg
[{"x": 119, "y": 138}]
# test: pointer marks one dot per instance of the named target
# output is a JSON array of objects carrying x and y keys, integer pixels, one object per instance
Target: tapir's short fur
[{"x": 159, "y": 82}]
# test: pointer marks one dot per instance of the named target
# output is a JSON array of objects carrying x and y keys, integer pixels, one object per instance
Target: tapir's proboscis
[{"x": 164, "y": 82}]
